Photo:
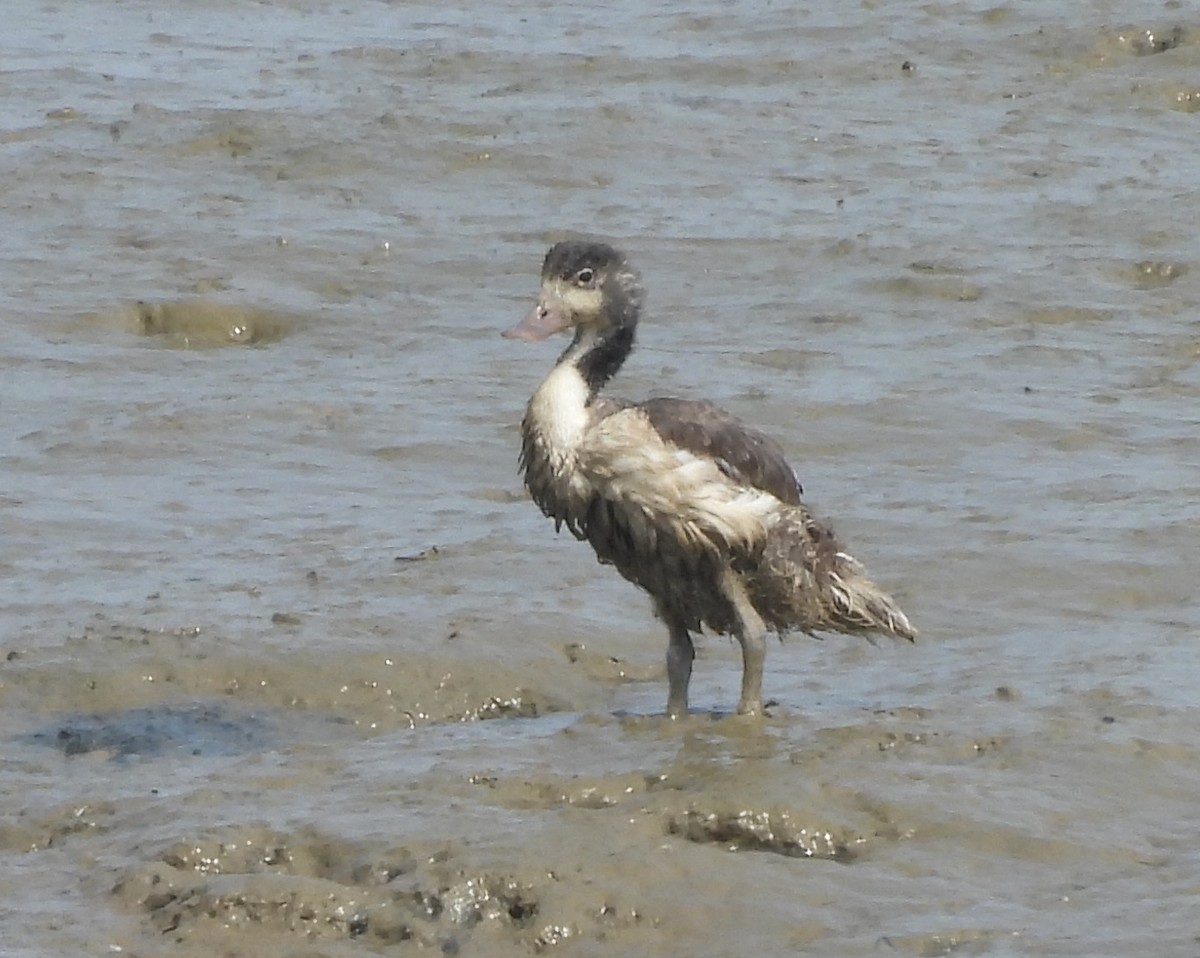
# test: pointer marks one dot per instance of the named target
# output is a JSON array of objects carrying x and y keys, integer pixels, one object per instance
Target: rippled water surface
[{"x": 290, "y": 664}]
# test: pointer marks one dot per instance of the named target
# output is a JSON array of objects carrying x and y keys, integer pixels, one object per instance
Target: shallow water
[{"x": 290, "y": 665}]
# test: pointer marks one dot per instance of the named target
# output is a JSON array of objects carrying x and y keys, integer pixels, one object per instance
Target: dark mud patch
[
  {"x": 199, "y": 323},
  {"x": 202, "y": 729},
  {"x": 251, "y": 885}
]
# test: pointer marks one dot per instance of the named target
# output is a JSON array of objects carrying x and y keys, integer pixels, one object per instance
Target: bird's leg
[
  {"x": 680, "y": 653},
  {"x": 751, "y": 635}
]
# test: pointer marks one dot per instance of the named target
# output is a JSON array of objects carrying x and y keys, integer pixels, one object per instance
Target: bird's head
[{"x": 587, "y": 286}]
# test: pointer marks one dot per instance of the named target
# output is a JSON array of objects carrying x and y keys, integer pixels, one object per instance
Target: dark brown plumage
[{"x": 684, "y": 500}]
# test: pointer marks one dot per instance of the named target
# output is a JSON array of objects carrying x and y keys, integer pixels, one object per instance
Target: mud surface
[{"x": 290, "y": 666}]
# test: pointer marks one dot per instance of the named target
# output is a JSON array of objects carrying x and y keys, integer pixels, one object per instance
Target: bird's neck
[
  {"x": 598, "y": 356},
  {"x": 560, "y": 411}
]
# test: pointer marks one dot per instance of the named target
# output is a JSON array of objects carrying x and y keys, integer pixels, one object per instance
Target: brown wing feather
[{"x": 744, "y": 453}]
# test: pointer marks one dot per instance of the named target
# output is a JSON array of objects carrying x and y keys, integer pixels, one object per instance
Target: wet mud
[
  {"x": 251, "y": 888},
  {"x": 484, "y": 846},
  {"x": 199, "y": 324},
  {"x": 290, "y": 665}
]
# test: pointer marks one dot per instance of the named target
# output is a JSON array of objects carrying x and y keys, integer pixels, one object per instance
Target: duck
[{"x": 683, "y": 499}]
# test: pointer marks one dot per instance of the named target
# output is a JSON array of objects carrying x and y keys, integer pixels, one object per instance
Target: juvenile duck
[{"x": 696, "y": 508}]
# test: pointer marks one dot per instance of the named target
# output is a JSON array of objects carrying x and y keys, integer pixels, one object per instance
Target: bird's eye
[{"x": 586, "y": 276}]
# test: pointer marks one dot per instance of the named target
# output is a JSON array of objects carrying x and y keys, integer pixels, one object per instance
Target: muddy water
[{"x": 291, "y": 666}]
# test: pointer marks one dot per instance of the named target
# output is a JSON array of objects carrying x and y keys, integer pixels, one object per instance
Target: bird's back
[{"x": 672, "y": 513}]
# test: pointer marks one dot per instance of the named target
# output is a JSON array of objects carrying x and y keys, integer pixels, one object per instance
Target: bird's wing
[
  {"x": 688, "y": 470},
  {"x": 742, "y": 452}
]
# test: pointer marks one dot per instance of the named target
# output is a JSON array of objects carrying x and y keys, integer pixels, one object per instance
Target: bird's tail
[
  {"x": 859, "y": 605},
  {"x": 806, "y": 580}
]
